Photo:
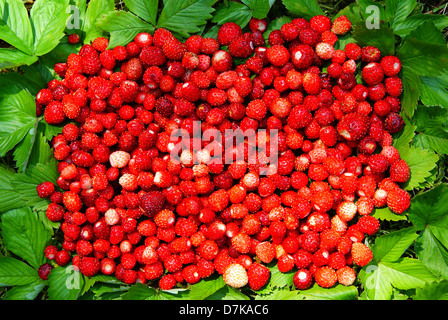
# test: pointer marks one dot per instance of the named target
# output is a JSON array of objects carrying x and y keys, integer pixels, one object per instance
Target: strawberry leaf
[
  {"x": 260, "y": 8},
  {"x": 428, "y": 213},
  {"x": 303, "y": 8},
  {"x": 382, "y": 38},
  {"x": 233, "y": 12},
  {"x": 397, "y": 10},
  {"x": 17, "y": 114},
  {"x": 123, "y": 26},
  {"x": 184, "y": 17},
  {"x": 14, "y": 272},
  {"x": 48, "y": 19},
  {"x": 145, "y": 9},
  {"x": 24, "y": 235},
  {"x": 65, "y": 283},
  {"x": 11, "y": 57},
  {"x": 15, "y": 27},
  {"x": 95, "y": 10}
]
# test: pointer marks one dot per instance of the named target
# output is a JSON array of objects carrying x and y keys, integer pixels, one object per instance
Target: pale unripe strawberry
[
  {"x": 235, "y": 276},
  {"x": 119, "y": 159}
]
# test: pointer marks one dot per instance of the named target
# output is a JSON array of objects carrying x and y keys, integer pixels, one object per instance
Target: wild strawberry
[
  {"x": 45, "y": 189},
  {"x": 373, "y": 73},
  {"x": 399, "y": 171},
  {"x": 368, "y": 224},
  {"x": 325, "y": 277},
  {"x": 320, "y": 23},
  {"x": 44, "y": 271},
  {"x": 277, "y": 55},
  {"x": 165, "y": 219},
  {"x": 346, "y": 275},
  {"x": 265, "y": 251},
  {"x": 89, "y": 266},
  {"x": 346, "y": 210},
  {"x": 353, "y": 126},
  {"x": 302, "y": 279},
  {"x": 152, "y": 202},
  {"x": 72, "y": 201},
  {"x": 54, "y": 112},
  {"x": 324, "y": 50},
  {"x": 241, "y": 47},
  {"x": 235, "y": 276},
  {"x": 391, "y": 65},
  {"x": 228, "y": 32},
  {"x": 353, "y": 51},
  {"x": 361, "y": 254},
  {"x": 393, "y": 122},
  {"x": 341, "y": 25},
  {"x": 398, "y": 200},
  {"x": 258, "y": 276}
]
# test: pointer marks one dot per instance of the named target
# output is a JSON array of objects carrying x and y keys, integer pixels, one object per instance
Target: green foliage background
[{"x": 410, "y": 251}]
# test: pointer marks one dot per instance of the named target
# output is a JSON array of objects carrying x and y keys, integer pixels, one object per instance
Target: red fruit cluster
[{"x": 127, "y": 209}]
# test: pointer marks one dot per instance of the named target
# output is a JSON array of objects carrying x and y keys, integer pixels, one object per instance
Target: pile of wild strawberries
[{"x": 130, "y": 210}]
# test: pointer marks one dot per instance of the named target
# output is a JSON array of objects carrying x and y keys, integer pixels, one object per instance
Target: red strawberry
[
  {"x": 302, "y": 279},
  {"x": 353, "y": 126},
  {"x": 325, "y": 277},
  {"x": 265, "y": 251},
  {"x": 341, "y": 25},
  {"x": 89, "y": 266},
  {"x": 398, "y": 200},
  {"x": 361, "y": 254},
  {"x": 258, "y": 275},
  {"x": 152, "y": 202}
]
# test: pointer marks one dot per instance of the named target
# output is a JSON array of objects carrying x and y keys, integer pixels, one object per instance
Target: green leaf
[
  {"x": 145, "y": 9},
  {"x": 260, "y": 8},
  {"x": 25, "y": 292},
  {"x": 24, "y": 235},
  {"x": 233, "y": 12},
  {"x": 379, "y": 280},
  {"x": 140, "y": 291},
  {"x": 15, "y": 27},
  {"x": 398, "y": 10},
  {"x": 386, "y": 214},
  {"x": 14, "y": 272},
  {"x": 17, "y": 114},
  {"x": 95, "y": 10},
  {"x": 421, "y": 162},
  {"x": 205, "y": 288},
  {"x": 408, "y": 274},
  {"x": 382, "y": 38},
  {"x": 227, "y": 293},
  {"x": 48, "y": 19},
  {"x": 428, "y": 213},
  {"x": 338, "y": 292},
  {"x": 183, "y": 17},
  {"x": 429, "y": 207},
  {"x": 123, "y": 26},
  {"x": 303, "y": 8},
  {"x": 414, "y": 51},
  {"x": 434, "y": 90},
  {"x": 432, "y": 291},
  {"x": 65, "y": 283},
  {"x": 11, "y": 57},
  {"x": 432, "y": 137},
  {"x": 19, "y": 189},
  {"x": 411, "y": 91},
  {"x": 375, "y": 282},
  {"x": 391, "y": 246},
  {"x": 411, "y": 23},
  {"x": 282, "y": 294},
  {"x": 427, "y": 31}
]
